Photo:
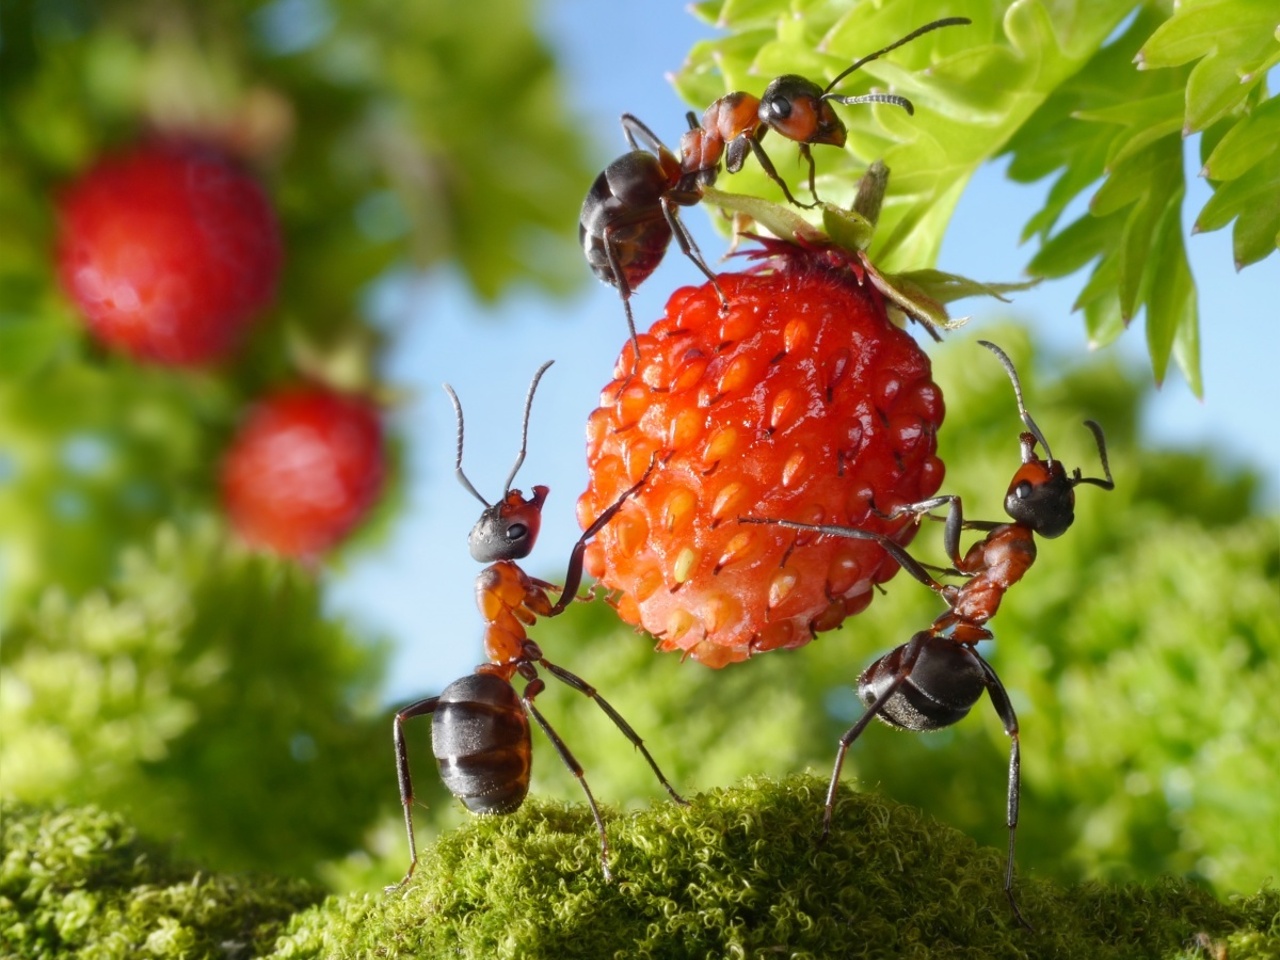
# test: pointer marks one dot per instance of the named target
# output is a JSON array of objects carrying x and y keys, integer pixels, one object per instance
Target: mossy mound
[
  {"x": 738, "y": 874},
  {"x": 80, "y": 883}
]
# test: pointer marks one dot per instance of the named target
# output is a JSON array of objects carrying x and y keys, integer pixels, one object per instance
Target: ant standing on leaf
[
  {"x": 479, "y": 724},
  {"x": 933, "y": 680},
  {"x": 631, "y": 211},
  {"x": 792, "y": 106}
]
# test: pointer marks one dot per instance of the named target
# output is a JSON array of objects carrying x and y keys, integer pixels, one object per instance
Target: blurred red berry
[
  {"x": 170, "y": 251},
  {"x": 303, "y": 470},
  {"x": 805, "y": 403}
]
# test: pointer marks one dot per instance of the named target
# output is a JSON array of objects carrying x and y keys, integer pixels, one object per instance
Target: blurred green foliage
[
  {"x": 204, "y": 693},
  {"x": 1055, "y": 87},
  {"x": 388, "y": 135}
]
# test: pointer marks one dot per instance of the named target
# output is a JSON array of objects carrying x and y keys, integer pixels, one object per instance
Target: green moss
[
  {"x": 738, "y": 875},
  {"x": 79, "y": 883}
]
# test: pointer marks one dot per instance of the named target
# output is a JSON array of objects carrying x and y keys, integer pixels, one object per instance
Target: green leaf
[
  {"x": 1246, "y": 143},
  {"x": 1233, "y": 40},
  {"x": 1171, "y": 306},
  {"x": 1253, "y": 200}
]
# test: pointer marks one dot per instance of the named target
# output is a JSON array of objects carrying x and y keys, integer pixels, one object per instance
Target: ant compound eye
[
  {"x": 779, "y": 108},
  {"x": 517, "y": 531},
  {"x": 1023, "y": 490}
]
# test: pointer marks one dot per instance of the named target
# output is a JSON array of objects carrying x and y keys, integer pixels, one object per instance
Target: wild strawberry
[
  {"x": 303, "y": 470},
  {"x": 170, "y": 251},
  {"x": 805, "y": 403}
]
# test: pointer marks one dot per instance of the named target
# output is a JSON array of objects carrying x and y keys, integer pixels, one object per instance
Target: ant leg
[
  {"x": 531, "y": 690},
  {"x": 910, "y": 653},
  {"x": 954, "y": 520},
  {"x": 587, "y": 689},
  {"x": 908, "y": 563},
  {"x": 767, "y": 165},
  {"x": 689, "y": 247},
  {"x": 807, "y": 155},
  {"x": 573, "y": 576},
  {"x": 633, "y": 126},
  {"x": 624, "y": 291},
  {"x": 1004, "y": 710},
  {"x": 417, "y": 709}
]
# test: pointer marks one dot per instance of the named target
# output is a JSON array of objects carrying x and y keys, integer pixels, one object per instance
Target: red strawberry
[
  {"x": 303, "y": 470},
  {"x": 804, "y": 402},
  {"x": 170, "y": 251}
]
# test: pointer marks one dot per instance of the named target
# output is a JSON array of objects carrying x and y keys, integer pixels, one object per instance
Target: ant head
[
  {"x": 508, "y": 529},
  {"x": 797, "y": 109},
  {"x": 1041, "y": 496}
]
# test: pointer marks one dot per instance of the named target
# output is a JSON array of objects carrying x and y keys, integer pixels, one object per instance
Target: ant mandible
[
  {"x": 793, "y": 106},
  {"x": 479, "y": 724},
  {"x": 935, "y": 678}
]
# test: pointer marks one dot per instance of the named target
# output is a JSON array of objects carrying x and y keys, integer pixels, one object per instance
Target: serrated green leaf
[
  {"x": 1198, "y": 29},
  {"x": 1103, "y": 321},
  {"x": 1218, "y": 84},
  {"x": 1249, "y": 141},
  {"x": 1253, "y": 200},
  {"x": 1234, "y": 42},
  {"x": 1102, "y": 282},
  {"x": 1171, "y": 306},
  {"x": 1074, "y": 246},
  {"x": 746, "y": 14}
]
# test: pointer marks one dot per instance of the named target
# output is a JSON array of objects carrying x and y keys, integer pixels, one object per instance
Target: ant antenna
[
  {"x": 893, "y": 98},
  {"x": 1022, "y": 409},
  {"x": 457, "y": 466},
  {"x": 945, "y": 22},
  {"x": 524, "y": 436},
  {"x": 1108, "y": 483},
  {"x": 524, "y": 430}
]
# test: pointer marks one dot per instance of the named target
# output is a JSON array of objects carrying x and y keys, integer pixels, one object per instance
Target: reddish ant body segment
[
  {"x": 479, "y": 724},
  {"x": 792, "y": 106},
  {"x": 935, "y": 678}
]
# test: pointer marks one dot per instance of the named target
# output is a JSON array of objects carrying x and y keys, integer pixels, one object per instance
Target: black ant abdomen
[
  {"x": 943, "y": 685},
  {"x": 482, "y": 744}
]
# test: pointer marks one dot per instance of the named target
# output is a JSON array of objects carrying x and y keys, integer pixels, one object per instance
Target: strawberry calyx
[{"x": 919, "y": 295}]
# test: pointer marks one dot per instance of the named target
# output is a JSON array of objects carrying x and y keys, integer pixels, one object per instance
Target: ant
[
  {"x": 933, "y": 679},
  {"x": 793, "y": 106},
  {"x": 631, "y": 211},
  {"x": 479, "y": 724}
]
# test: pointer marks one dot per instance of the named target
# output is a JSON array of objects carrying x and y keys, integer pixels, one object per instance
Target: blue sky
[{"x": 418, "y": 587}]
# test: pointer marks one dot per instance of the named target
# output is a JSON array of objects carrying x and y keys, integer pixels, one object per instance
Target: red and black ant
[
  {"x": 933, "y": 679},
  {"x": 479, "y": 724},
  {"x": 631, "y": 211},
  {"x": 792, "y": 106}
]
